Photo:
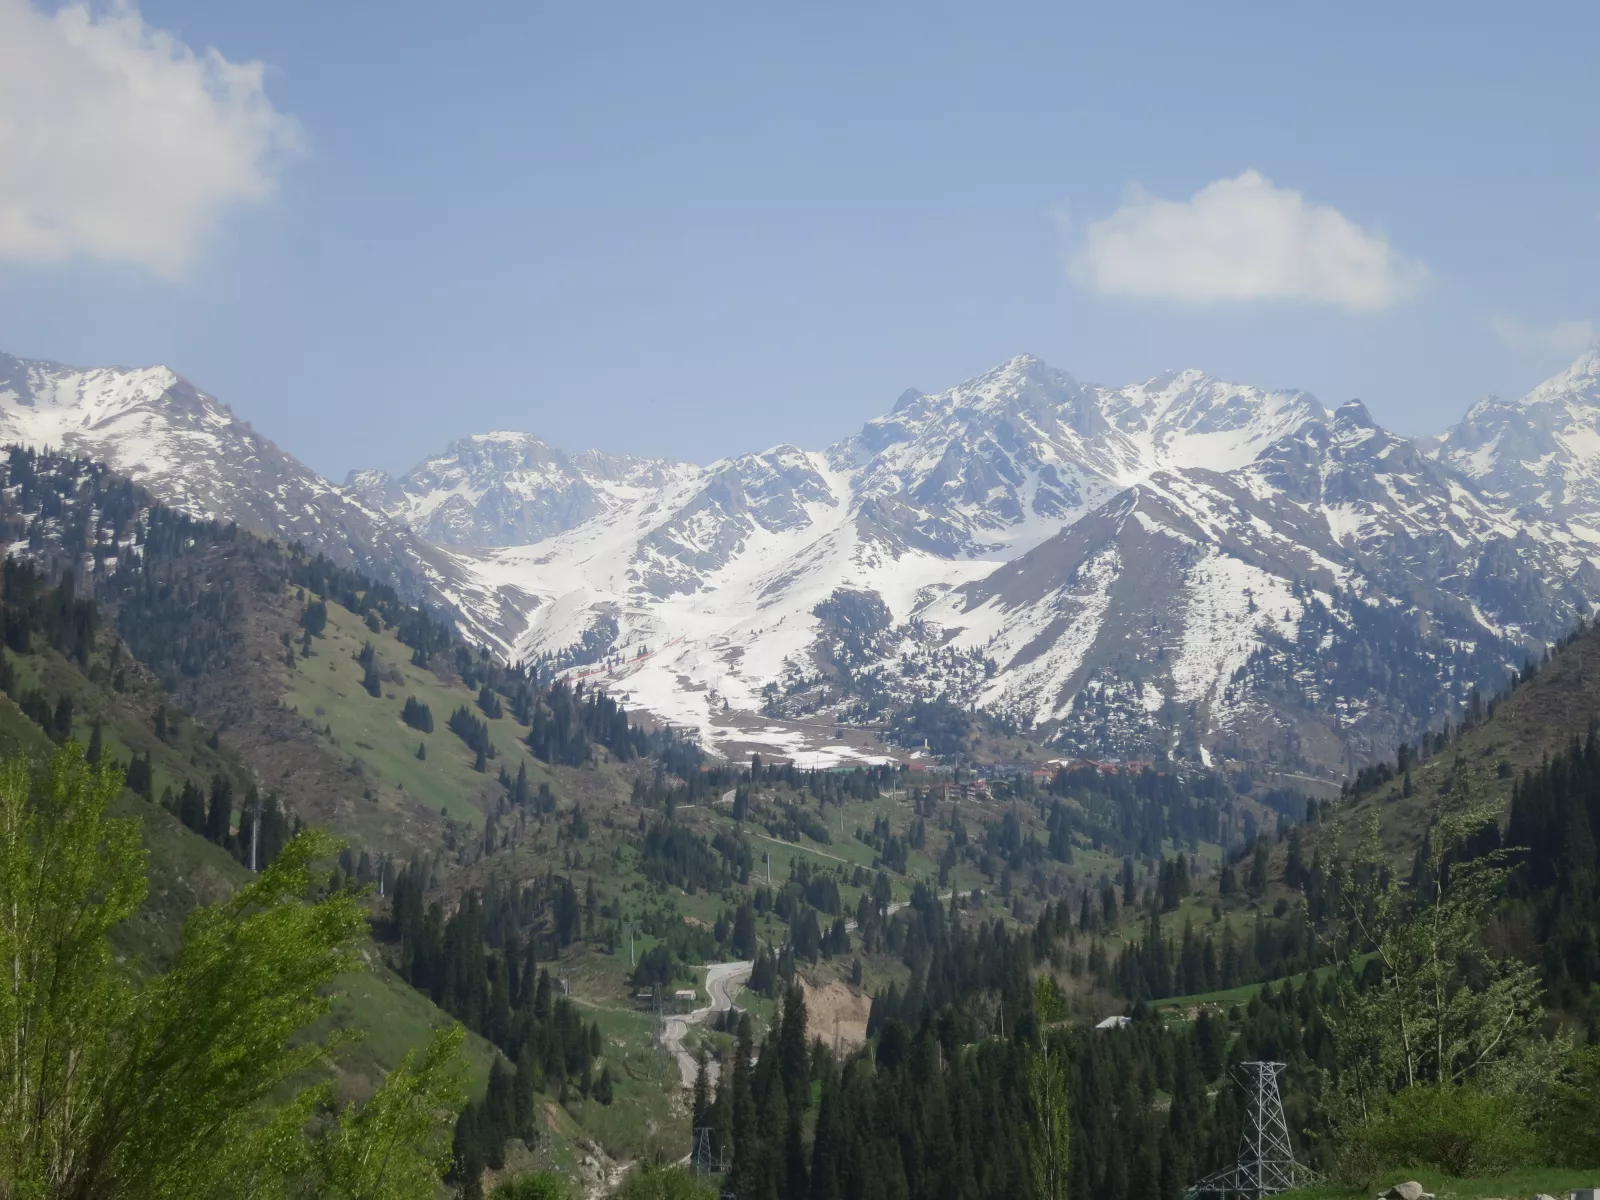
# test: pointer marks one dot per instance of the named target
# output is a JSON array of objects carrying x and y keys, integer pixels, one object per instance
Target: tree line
[{"x": 475, "y": 964}]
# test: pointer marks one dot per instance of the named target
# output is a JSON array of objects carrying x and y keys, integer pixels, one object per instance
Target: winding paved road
[{"x": 723, "y": 982}]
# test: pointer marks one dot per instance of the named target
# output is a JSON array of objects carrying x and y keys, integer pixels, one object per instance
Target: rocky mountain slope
[
  {"x": 1182, "y": 566},
  {"x": 189, "y": 450},
  {"x": 1319, "y": 596},
  {"x": 507, "y": 489},
  {"x": 1179, "y": 566},
  {"x": 1019, "y": 451},
  {"x": 1539, "y": 454},
  {"x": 733, "y": 559}
]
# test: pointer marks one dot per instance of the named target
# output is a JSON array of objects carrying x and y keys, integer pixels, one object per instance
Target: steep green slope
[
  {"x": 1551, "y": 706},
  {"x": 325, "y": 690},
  {"x": 217, "y": 619},
  {"x": 186, "y": 869},
  {"x": 1544, "y": 712}
]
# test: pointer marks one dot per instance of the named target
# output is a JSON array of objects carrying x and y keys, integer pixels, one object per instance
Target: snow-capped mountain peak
[
  {"x": 1580, "y": 379},
  {"x": 1003, "y": 459},
  {"x": 1175, "y": 564},
  {"x": 1188, "y": 418},
  {"x": 486, "y": 489},
  {"x": 1540, "y": 452},
  {"x": 507, "y": 488},
  {"x": 190, "y": 451}
]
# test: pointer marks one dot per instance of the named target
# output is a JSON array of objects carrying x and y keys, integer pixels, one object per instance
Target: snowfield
[
  {"x": 942, "y": 508},
  {"x": 1105, "y": 562}
]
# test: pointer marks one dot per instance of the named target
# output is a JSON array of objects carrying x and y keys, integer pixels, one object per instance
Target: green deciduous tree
[
  {"x": 1050, "y": 1143},
  {"x": 182, "y": 1083},
  {"x": 1571, "y": 1126},
  {"x": 68, "y": 874},
  {"x": 1448, "y": 1009},
  {"x": 1462, "y": 1130},
  {"x": 397, "y": 1144}
]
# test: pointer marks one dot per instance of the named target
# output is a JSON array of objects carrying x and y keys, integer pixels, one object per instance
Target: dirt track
[{"x": 723, "y": 982}]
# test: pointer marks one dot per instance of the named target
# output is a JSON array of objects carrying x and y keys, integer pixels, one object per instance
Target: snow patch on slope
[
  {"x": 1219, "y": 630},
  {"x": 1068, "y": 624}
]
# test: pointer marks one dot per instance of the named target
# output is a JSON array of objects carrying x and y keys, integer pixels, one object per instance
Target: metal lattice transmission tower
[
  {"x": 702, "y": 1162},
  {"x": 1266, "y": 1163}
]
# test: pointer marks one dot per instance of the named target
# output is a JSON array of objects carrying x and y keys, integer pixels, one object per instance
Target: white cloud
[
  {"x": 1565, "y": 338},
  {"x": 117, "y": 141},
  {"x": 1242, "y": 239}
]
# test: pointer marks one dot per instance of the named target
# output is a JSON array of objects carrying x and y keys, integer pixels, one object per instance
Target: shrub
[
  {"x": 665, "y": 1183},
  {"x": 1570, "y": 1126},
  {"x": 1357, "y": 1165},
  {"x": 541, "y": 1185},
  {"x": 1460, "y": 1130}
]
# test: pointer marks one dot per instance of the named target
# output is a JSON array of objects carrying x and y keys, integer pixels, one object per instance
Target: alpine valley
[{"x": 1181, "y": 568}]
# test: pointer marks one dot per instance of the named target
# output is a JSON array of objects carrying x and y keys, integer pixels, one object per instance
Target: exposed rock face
[
  {"x": 1540, "y": 453},
  {"x": 1410, "y": 1190},
  {"x": 1181, "y": 566}
]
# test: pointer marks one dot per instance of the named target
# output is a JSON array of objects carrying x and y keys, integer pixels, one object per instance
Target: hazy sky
[{"x": 697, "y": 229}]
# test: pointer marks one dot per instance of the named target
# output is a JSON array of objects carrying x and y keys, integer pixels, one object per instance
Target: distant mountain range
[{"x": 1183, "y": 566}]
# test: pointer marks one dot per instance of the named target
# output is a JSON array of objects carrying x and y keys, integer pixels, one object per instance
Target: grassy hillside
[
  {"x": 1538, "y": 717},
  {"x": 1547, "y": 715},
  {"x": 185, "y": 869},
  {"x": 379, "y": 751},
  {"x": 1530, "y": 1182},
  {"x": 1541, "y": 717},
  {"x": 266, "y": 666}
]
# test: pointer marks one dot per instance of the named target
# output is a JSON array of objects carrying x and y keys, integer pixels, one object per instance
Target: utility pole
[{"x": 255, "y": 839}]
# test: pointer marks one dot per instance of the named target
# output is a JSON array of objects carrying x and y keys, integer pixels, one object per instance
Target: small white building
[{"x": 1115, "y": 1023}]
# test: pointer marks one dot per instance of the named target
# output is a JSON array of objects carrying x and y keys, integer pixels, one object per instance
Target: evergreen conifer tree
[
  {"x": 794, "y": 1063},
  {"x": 700, "y": 1108},
  {"x": 192, "y": 807},
  {"x": 220, "y": 813},
  {"x": 827, "y": 1143}
]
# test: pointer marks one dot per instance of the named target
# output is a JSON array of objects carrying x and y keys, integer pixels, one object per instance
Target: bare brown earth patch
[{"x": 837, "y": 1013}]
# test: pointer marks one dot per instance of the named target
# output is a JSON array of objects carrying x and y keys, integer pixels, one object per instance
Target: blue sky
[{"x": 693, "y": 230}]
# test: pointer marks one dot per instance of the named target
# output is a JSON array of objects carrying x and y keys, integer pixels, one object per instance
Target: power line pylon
[
  {"x": 701, "y": 1160},
  {"x": 1266, "y": 1163}
]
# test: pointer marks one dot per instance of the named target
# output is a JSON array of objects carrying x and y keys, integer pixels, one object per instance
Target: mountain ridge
[
  {"x": 1227, "y": 515},
  {"x": 1540, "y": 451},
  {"x": 945, "y": 491},
  {"x": 154, "y": 426}
]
